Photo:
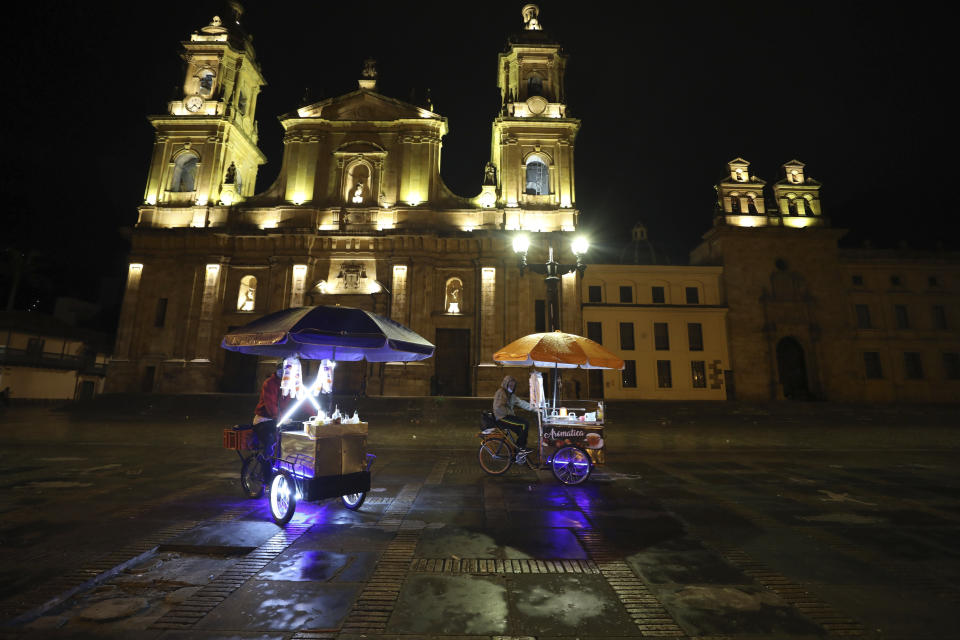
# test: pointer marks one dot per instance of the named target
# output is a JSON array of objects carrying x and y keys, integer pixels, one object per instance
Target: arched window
[
  {"x": 247, "y": 298},
  {"x": 752, "y": 204},
  {"x": 534, "y": 86},
  {"x": 734, "y": 203},
  {"x": 538, "y": 177},
  {"x": 206, "y": 82},
  {"x": 792, "y": 205},
  {"x": 185, "y": 173},
  {"x": 808, "y": 203},
  {"x": 453, "y": 296}
]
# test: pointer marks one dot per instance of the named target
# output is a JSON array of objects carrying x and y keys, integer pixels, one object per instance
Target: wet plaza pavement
[{"x": 117, "y": 539}]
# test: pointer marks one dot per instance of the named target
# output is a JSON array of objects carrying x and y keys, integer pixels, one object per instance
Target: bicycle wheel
[
  {"x": 353, "y": 501},
  {"x": 251, "y": 477},
  {"x": 495, "y": 456},
  {"x": 283, "y": 498},
  {"x": 571, "y": 465}
]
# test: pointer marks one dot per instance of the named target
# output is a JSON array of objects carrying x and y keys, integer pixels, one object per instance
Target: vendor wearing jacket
[
  {"x": 503, "y": 402},
  {"x": 268, "y": 411}
]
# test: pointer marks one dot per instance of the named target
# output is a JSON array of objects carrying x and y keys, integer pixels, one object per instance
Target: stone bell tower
[
  {"x": 206, "y": 151},
  {"x": 533, "y": 139}
]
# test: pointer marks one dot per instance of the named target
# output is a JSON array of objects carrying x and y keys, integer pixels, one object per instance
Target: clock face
[{"x": 193, "y": 103}]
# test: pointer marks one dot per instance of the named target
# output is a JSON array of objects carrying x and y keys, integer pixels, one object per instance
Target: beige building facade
[{"x": 668, "y": 324}]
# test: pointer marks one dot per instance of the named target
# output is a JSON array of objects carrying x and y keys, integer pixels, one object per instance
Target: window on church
[
  {"x": 185, "y": 173},
  {"x": 752, "y": 206},
  {"x": 206, "y": 82},
  {"x": 242, "y": 104},
  {"x": 734, "y": 204},
  {"x": 534, "y": 86},
  {"x": 792, "y": 206},
  {"x": 247, "y": 296},
  {"x": 538, "y": 178}
]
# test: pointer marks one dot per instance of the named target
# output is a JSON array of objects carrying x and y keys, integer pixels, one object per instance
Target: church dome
[{"x": 640, "y": 250}]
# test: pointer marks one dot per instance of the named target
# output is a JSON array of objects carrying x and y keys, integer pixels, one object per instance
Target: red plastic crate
[{"x": 239, "y": 440}]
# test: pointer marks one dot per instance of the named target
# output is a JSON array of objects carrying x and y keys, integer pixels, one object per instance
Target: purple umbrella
[{"x": 331, "y": 333}]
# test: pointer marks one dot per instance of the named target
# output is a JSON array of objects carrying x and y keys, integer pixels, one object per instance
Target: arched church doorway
[{"x": 792, "y": 368}]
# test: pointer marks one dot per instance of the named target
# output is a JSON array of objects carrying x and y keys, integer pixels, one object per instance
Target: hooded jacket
[{"x": 504, "y": 401}]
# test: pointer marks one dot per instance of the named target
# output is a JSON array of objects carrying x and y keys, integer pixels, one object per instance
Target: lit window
[
  {"x": 538, "y": 178},
  {"x": 629, "y": 375},
  {"x": 247, "y": 297},
  {"x": 698, "y": 373}
]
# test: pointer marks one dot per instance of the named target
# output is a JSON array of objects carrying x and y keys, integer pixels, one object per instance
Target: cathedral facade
[{"x": 359, "y": 216}]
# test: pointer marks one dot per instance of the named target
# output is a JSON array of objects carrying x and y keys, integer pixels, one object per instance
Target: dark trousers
[
  {"x": 518, "y": 426},
  {"x": 267, "y": 435}
]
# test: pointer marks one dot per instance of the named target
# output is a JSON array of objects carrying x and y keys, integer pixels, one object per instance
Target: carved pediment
[{"x": 361, "y": 105}]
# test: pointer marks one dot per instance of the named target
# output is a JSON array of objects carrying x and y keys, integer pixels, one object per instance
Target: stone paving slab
[
  {"x": 431, "y": 604},
  {"x": 557, "y": 605},
  {"x": 262, "y": 605},
  {"x": 223, "y": 537}
]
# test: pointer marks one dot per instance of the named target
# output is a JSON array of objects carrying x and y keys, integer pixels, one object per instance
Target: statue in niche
[
  {"x": 231, "y": 177},
  {"x": 490, "y": 174},
  {"x": 358, "y": 194},
  {"x": 453, "y": 294},
  {"x": 531, "y": 14}
]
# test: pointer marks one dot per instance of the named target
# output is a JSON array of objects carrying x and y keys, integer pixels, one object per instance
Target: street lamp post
[{"x": 552, "y": 272}]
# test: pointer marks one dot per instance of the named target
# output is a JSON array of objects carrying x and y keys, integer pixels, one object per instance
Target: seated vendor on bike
[
  {"x": 503, "y": 402},
  {"x": 268, "y": 411}
]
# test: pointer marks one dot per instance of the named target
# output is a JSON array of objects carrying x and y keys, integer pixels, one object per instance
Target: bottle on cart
[
  {"x": 336, "y": 414},
  {"x": 600, "y": 412},
  {"x": 356, "y": 417}
]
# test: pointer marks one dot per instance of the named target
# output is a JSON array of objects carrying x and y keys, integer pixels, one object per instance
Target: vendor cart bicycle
[
  {"x": 324, "y": 456},
  {"x": 569, "y": 439},
  {"x": 570, "y": 462}
]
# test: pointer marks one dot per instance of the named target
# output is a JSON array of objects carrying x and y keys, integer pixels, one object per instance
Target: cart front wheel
[
  {"x": 283, "y": 498},
  {"x": 353, "y": 501},
  {"x": 571, "y": 465},
  {"x": 251, "y": 477},
  {"x": 495, "y": 456}
]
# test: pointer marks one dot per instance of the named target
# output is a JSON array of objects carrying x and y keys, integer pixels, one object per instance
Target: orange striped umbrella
[{"x": 559, "y": 350}]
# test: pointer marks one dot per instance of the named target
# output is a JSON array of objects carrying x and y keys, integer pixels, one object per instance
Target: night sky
[{"x": 666, "y": 98}]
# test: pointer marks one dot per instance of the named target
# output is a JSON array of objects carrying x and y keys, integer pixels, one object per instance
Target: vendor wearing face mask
[{"x": 504, "y": 401}]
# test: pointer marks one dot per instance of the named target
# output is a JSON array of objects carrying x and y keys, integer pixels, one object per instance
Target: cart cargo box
[{"x": 337, "y": 449}]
